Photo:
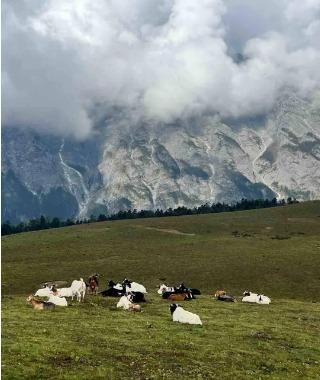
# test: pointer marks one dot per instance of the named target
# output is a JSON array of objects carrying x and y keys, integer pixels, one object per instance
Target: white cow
[
  {"x": 184, "y": 316},
  {"x": 263, "y": 300},
  {"x": 255, "y": 298},
  {"x": 131, "y": 286},
  {"x": 124, "y": 303}
]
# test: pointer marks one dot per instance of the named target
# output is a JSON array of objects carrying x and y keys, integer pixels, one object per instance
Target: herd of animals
[{"x": 131, "y": 294}]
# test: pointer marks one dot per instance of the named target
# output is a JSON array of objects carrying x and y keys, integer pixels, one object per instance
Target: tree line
[{"x": 44, "y": 222}]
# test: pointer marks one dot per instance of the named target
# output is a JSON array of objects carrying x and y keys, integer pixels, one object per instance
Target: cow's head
[{"x": 173, "y": 307}]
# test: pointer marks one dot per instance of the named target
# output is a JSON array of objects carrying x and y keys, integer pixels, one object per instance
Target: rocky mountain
[{"x": 148, "y": 167}]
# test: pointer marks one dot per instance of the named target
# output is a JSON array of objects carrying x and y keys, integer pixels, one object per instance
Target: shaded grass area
[
  {"x": 272, "y": 251},
  {"x": 94, "y": 340}
]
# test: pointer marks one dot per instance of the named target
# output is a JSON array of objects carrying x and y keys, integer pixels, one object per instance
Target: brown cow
[
  {"x": 220, "y": 293},
  {"x": 177, "y": 297}
]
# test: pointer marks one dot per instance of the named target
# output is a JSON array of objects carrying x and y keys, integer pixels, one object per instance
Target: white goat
[
  {"x": 44, "y": 292},
  {"x": 78, "y": 289},
  {"x": 59, "y": 301},
  {"x": 124, "y": 303},
  {"x": 184, "y": 316},
  {"x": 64, "y": 292}
]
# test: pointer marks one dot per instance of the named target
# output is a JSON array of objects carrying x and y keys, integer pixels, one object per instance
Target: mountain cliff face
[
  {"x": 147, "y": 167},
  {"x": 47, "y": 175}
]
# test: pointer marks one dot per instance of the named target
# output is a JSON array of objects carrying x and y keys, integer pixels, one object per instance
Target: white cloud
[
  {"x": 302, "y": 12},
  {"x": 155, "y": 59}
]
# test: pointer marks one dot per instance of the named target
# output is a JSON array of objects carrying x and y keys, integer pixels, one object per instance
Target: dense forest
[{"x": 43, "y": 222}]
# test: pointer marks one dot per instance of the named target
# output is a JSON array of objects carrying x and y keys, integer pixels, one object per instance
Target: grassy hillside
[{"x": 273, "y": 251}]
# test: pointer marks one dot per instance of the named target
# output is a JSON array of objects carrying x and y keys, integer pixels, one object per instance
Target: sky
[{"x": 65, "y": 62}]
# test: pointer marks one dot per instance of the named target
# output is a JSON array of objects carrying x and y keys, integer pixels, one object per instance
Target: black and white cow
[
  {"x": 113, "y": 291},
  {"x": 132, "y": 286},
  {"x": 136, "y": 297},
  {"x": 166, "y": 291}
]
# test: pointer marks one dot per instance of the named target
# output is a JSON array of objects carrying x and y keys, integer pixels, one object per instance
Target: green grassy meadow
[{"x": 271, "y": 251}]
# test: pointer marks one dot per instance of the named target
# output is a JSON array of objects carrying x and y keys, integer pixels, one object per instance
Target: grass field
[{"x": 272, "y": 251}]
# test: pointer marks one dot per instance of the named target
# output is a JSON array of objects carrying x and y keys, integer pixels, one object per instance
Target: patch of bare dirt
[
  {"x": 308, "y": 220},
  {"x": 169, "y": 231},
  {"x": 57, "y": 283}
]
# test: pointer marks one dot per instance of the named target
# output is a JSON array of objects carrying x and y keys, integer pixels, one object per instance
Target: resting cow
[
  {"x": 183, "y": 316},
  {"x": 177, "y": 297},
  {"x": 256, "y": 298},
  {"x": 113, "y": 291}
]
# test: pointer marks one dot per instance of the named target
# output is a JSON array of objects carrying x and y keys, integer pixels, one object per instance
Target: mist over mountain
[{"x": 156, "y": 104}]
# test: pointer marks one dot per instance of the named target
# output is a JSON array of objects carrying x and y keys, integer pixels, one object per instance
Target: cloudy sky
[{"x": 63, "y": 62}]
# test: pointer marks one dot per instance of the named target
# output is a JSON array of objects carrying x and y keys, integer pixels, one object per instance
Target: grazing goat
[
  {"x": 124, "y": 303},
  {"x": 40, "y": 305},
  {"x": 256, "y": 298},
  {"x": 135, "y": 308},
  {"x": 184, "y": 316},
  {"x": 59, "y": 301},
  {"x": 78, "y": 289},
  {"x": 219, "y": 293}
]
